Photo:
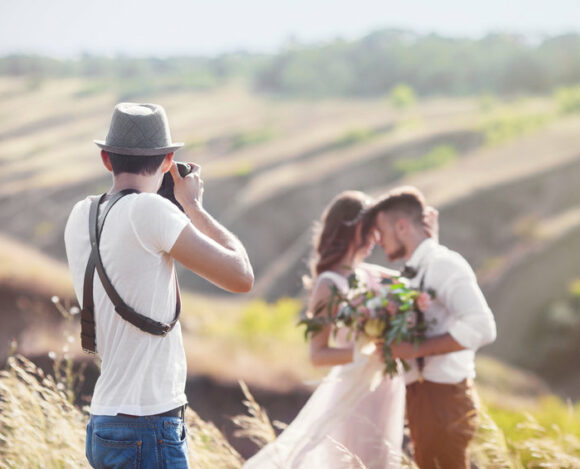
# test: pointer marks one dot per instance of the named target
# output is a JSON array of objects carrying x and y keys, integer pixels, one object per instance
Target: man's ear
[
  {"x": 402, "y": 225},
  {"x": 106, "y": 161},
  {"x": 167, "y": 162}
]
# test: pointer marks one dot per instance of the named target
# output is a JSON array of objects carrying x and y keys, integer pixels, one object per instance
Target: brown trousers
[{"x": 442, "y": 420}]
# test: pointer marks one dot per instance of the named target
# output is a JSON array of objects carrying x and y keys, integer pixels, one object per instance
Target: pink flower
[
  {"x": 423, "y": 301},
  {"x": 357, "y": 301},
  {"x": 392, "y": 308}
]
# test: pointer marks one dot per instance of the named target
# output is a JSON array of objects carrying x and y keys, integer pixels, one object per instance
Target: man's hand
[
  {"x": 188, "y": 190},
  {"x": 405, "y": 351},
  {"x": 431, "y": 222}
]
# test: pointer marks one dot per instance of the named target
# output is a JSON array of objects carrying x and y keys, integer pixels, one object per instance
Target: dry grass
[
  {"x": 256, "y": 426},
  {"x": 40, "y": 428}
]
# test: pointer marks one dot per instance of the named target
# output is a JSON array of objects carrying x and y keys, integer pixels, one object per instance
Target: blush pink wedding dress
[{"x": 355, "y": 412}]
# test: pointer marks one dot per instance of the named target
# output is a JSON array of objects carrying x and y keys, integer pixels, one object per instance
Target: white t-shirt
[{"x": 141, "y": 374}]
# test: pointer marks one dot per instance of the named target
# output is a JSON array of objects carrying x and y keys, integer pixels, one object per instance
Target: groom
[{"x": 441, "y": 409}]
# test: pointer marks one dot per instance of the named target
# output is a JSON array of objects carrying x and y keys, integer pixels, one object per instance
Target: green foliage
[
  {"x": 252, "y": 137},
  {"x": 439, "y": 156},
  {"x": 93, "y": 89},
  {"x": 501, "y": 64},
  {"x": 574, "y": 288},
  {"x": 261, "y": 322},
  {"x": 568, "y": 99},
  {"x": 355, "y": 136},
  {"x": 504, "y": 127},
  {"x": 498, "y": 64},
  {"x": 402, "y": 96},
  {"x": 547, "y": 434},
  {"x": 244, "y": 168}
]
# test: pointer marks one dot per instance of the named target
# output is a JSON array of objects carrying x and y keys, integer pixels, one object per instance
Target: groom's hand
[
  {"x": 431, "y": 222},
  {"x": 405, "y": 351}
]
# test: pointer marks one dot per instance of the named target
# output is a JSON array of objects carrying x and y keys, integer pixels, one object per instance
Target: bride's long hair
[{"x": 334, "y": 233}]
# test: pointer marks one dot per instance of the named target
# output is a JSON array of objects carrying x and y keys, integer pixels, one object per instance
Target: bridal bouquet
[{"x": 386, "y": 313}]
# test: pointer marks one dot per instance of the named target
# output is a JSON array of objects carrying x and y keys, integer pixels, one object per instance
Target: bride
[{"x": 355, "y": 415}]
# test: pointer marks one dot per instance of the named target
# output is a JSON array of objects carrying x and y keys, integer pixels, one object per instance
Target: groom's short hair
[{"x": 406, "y": 201}]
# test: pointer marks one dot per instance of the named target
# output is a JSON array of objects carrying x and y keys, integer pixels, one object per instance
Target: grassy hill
[{"x": 502, "y": 173}]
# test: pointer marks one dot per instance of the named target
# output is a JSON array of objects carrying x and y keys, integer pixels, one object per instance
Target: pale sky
[{"x": 65, "y": 28}]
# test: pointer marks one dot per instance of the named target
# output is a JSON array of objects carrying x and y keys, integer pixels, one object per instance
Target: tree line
[{"x": 498, "y": 64}]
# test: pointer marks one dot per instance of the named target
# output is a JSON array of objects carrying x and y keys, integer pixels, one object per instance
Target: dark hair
[
  {"x": 406, "y": 201},
  {"x": 335, "y": 232},
  {"x": 135, "y": 164}
]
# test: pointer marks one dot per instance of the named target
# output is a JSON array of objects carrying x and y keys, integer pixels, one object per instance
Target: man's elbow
[
  {"x": 491, "y": 335},
  {"x": 244, "y": 283},
  {"x": 488, "y": 336}
]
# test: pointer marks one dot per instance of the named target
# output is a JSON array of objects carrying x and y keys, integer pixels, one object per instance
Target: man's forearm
[
  {"x": 439, "y": 345},
  {"x": 210, "y": 227}
]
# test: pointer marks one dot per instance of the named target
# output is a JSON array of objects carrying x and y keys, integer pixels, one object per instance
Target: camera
[{"x": 166, "y": 189}]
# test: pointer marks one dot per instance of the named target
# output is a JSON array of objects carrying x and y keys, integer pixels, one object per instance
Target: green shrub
[
  {"x": 439, "y": 156},
  {"x": 568, "y": 99},
  {"x": 574, "y": 288},
  {"x": 355, "y": 136},
  {"x": 402, "y": 96},
  {"x": 508, "y": 126},
  {"x": 270, "y": 321},
  {"x": 252, "y": 137}
]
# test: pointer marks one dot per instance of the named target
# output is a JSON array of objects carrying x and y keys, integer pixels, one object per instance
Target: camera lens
[{"x": 184, "y": 169}]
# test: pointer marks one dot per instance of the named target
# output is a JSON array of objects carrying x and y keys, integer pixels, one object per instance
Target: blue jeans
[{"x": 136, "y": 442}]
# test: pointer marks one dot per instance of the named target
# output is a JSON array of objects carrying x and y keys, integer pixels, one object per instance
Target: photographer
[{"x": 120, "y": 248}]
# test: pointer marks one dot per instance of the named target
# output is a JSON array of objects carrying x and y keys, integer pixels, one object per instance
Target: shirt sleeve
[
  {"x": 473, "y": 325},
  {"x": 157, "y": 222}
]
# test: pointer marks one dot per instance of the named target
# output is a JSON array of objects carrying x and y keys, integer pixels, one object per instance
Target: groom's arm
[
  {"x": 473, "y": 325},
  {"x": 437, "y": 345}
]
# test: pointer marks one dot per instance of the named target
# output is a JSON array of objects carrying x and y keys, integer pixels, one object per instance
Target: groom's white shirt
[{"x": 459, "y": 309}]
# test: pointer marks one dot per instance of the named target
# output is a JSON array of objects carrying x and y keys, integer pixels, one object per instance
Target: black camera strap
[{"x": 146, "y": 324}]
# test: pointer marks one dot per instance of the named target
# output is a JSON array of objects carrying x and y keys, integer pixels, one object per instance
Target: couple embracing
[{"x": 349, "y": 420}]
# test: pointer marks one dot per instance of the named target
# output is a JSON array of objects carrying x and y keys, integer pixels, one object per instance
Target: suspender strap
[
  {"x": 422, "y": 326},
  {"x": 146, "y": 324}
]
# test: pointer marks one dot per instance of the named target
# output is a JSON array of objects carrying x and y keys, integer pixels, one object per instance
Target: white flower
[
  {"x": 384, "y": 292},
  {"x": 74, "y": 310},
  {"x": 375, "y": 303},
  {"x": 55, "y": 299}
]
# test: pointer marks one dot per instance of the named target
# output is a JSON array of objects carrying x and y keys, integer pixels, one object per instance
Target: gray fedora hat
[{"x": 139, "y": 130}]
